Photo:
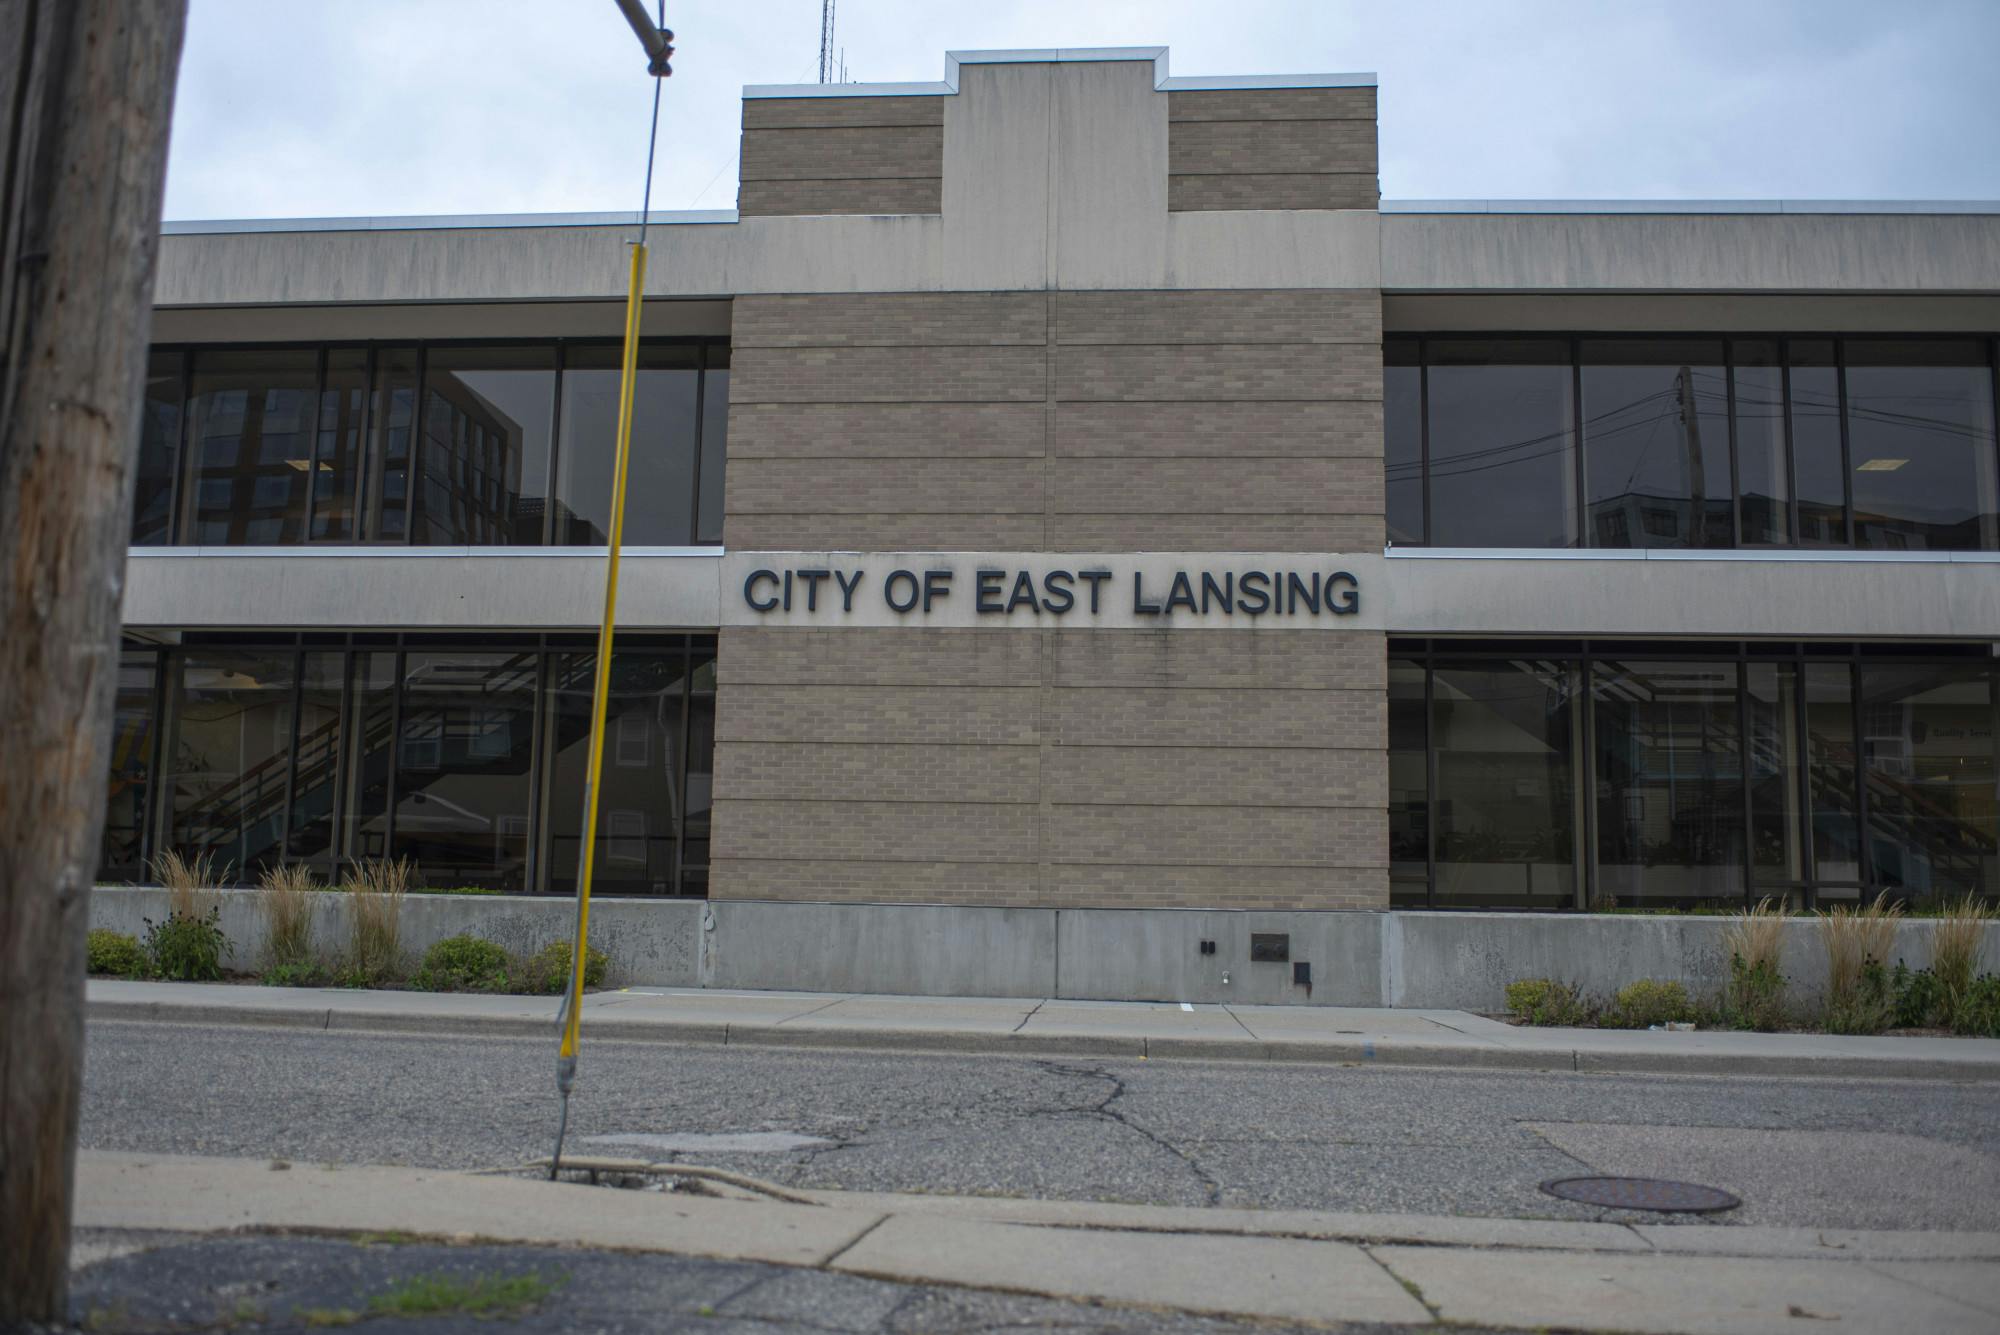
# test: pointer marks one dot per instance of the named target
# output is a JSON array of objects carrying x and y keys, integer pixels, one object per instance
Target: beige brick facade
[{"x": 1059, "y": 767}]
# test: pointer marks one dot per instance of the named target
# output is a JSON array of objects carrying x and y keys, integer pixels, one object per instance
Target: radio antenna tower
[{"x": 825, "y": 41}]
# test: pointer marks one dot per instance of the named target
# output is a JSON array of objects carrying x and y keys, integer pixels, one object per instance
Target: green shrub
[
  {"x": 1648, "y": 1002},
  {"x": 457, "y": 890},
  {"x": 188, "y": 948},
  {"x": 547, "y": 970},
  {"x": 1754, "y": 997},
  {"x": 1978, "y": 1009},
  {"x": 116, "y": 954},
  {"x": 302, "y": 973},
  {"x": 1547, "y": 1002},
  {"x": 1919, "y": 997},
  {"x": 1868, "y": 1006},
  {"x": 463, "y": 964}
]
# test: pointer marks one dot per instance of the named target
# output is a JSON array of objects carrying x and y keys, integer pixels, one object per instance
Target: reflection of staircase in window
[{"x": 1897, "y": 809}]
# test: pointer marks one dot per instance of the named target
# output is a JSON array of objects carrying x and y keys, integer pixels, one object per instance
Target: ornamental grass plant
[
  {"x": 1858, "y": 940},
  {"x": 1754, "y": 996},
  {"x": 190, "y": 882},
  {"x": 375, "y": 892},
  {"x": 285, "y": 898},
  {"x": 1956, "y": 940}
]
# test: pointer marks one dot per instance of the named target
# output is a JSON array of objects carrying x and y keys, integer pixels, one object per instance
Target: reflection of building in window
[
  {"x": 633, "y": 748},
  {"x": 472, "y": 464},
  {"x": 625, "y": 836}
]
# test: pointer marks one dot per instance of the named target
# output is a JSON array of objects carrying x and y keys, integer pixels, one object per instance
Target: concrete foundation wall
[{"x": 1456, "y": 961}]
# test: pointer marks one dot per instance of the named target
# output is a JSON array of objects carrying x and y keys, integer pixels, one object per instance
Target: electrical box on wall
[{"x": 1270, "y": 947}]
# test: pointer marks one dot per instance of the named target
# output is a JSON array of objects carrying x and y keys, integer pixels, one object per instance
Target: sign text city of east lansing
[{"x": 1002, "y": 592}]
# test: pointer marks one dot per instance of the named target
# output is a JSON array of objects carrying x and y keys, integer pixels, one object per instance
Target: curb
[{"x": 1366, "y": 1052}]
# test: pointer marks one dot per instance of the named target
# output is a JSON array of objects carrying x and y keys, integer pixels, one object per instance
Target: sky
[{"x": 329, "y": 108}]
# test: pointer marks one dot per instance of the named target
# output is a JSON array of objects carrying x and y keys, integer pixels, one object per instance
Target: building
[{"x": 1064, "y": 495}]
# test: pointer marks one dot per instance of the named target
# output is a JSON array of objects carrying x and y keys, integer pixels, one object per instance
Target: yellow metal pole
[{"x": 601, "y": 689}]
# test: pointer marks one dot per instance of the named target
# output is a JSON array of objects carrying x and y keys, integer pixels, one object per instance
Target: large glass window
[
  {"x": 1688, "y": 441},
  {"x": 439, "y": 444},
  {"x": 483, "y": 450},
  {"x": 1713, "y": 776},
  {"x": 316, "y": 758},
  {"x": 1656, "y": 443},
  {"x": 464, "y": 765},
  {"x": 660, "y": 482},
  {"x": 700, "y": 766},
  {"x": 1920, "y": 440},
  {"x": 251, "y": 433},
  {"x": 1505, "y": 800},
  {"x": 637, "y": 838},
  {"x": 1502, "y": 443},
  {"x": 229, "y": 756},
  {"x": 1927, "y": 737}
]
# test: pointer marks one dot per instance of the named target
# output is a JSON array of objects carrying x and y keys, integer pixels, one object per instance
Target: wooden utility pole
[{"x": 86, "y": 94}]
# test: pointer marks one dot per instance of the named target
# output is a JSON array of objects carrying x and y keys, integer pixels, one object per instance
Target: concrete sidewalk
[
  {"x": 1070, "y": 1028},
  {"x": 1292, "y": 1266}
]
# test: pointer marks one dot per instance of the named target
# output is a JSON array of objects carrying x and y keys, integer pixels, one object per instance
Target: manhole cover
[{"x": 1641, "y": 1193}]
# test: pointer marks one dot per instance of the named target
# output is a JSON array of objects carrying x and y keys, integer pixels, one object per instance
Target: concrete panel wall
[
  {"x": 822, "y": 155},
  {"x": 1272, "y": 148}
]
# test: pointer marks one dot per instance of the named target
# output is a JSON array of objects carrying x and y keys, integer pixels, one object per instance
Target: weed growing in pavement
[
  {"x": 1544, "y": 1001},
  {"x": 186, "y": 948},
  {"x": 285, "y": 898},
  {"x": 1858, "y": 941},
  {"x": 483, "y": 1295},
  {"x": 116, "y": 954}
]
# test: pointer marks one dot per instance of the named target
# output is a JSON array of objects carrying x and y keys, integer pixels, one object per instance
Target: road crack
[{"x": 1104, "y": 1111}]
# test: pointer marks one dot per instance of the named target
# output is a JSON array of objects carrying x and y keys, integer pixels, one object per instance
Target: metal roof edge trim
[
  {"x": 445, "y": 221},
  {"x": 1789, "y": 207},
  {"x": 1061, "y": 56}
]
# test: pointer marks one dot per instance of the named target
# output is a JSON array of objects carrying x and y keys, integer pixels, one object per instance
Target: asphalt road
[{"x": 1812, "y": 1153}]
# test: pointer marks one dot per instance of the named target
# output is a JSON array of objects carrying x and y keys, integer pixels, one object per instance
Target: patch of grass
[
  {"x": 482, "y": 1295},
  {"x": 285, "y": 897},
  {"x": 318, "y": 1318},
  {"x": 116, "y": 954},
  {"x": 1545, "y": 1001}
]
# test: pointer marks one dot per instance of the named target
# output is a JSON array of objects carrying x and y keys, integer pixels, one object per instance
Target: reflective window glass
[
  {"x": 1830, "y": 774},
  {"x": 1669, "y": 783},
  {"x": 1927, "y": 738},
  {"x": 230, "y": 755},
  {"x": 1409, "y": 789},
  {"x": 1777, "y": 858},
  {"x": 393, "y": 435},
  {"x": 1502, "y": 443},
  {"x": 159, "y": 452},
  {"x": 1763, "y": 484},
  {"x": 337, "y": 464},
  {"x": 1818, "y": 458},
  {"x": 483, "y": 453},
  {"x": 464, "y": 766},
  {"x": 1921, "y": 444},
  {"x": 251, "y": 434},
  {"x": 370, "y": 749},
  {"x": 134, "y": 716},
  {"x": 1403, "y": 440},
  {"x": 640, "y": 801},
  {"x": 1656, "y": 443},
  {"x": 660, "y": 481},
  {"x": 318, "y": 751},
  {"x": 1505, "y": 800},
  {"x": 700, "y": 767}
]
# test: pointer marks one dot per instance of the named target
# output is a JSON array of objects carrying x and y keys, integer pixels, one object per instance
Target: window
[
  {"x": 439, "y": 444},
  {"x": 137, "y": 707},
  {"x": 465, "y": 765},
  {"x": 1882, "y": 443},
  {"x": 229, "y": 756},
  {"x": 1694, "y": 778},
  {"x": 1501, "y": 443}
]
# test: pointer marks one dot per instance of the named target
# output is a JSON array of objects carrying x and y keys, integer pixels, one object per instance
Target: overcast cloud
[{"x": 306, "y": 108}]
